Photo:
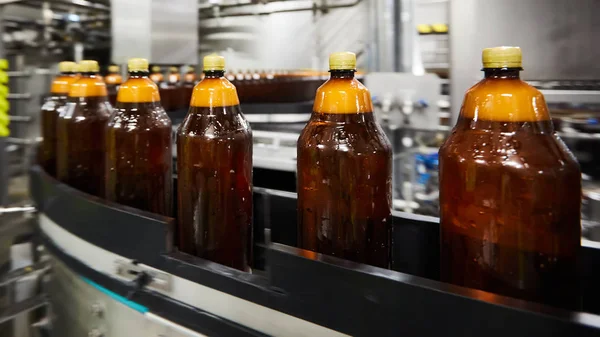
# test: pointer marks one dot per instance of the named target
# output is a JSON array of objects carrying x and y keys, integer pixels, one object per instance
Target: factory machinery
[{"x": 81, "y": 266}]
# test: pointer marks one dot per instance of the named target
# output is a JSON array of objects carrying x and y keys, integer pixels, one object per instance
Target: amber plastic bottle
[
  {"x": 138, "y": 146},
  {"x": 510, "y": 192},
  {"x": 113, "y": 80},
  {"x": 81, "y": 131},
  {"x": 345, "y": 172},
  {"x": 50, "y": 111},
  {"x": 214, "y": 167},
  {"x": 174, "y": 78},
  {"x": 174, "y": 97},
  {"x": 157, "y": 76},
  {"x": 190, "y": 77}
]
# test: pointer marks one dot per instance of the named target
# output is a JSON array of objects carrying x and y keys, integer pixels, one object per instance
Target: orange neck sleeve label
[
  {"x": 88, "y": 86},
  {"x": 343, "y": 96},
  {"x": 157, "y": 77},
  {"x": 214, "y": 92},
  {"x": 504, "y": 100},
  {"x": 62, "y": 84},
  {"x": 174, "y": 78},
  {"x": 190, "y": 77},
  {"x": 113, "y": 79},
  {"x": 138, "y": 90}
]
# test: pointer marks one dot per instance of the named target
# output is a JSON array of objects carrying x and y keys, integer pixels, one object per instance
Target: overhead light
[{"x": 73, "y": 17}]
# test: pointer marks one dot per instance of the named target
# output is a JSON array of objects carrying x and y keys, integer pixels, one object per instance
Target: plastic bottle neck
[
  {"x": 502, "y": 73},
  {"x": 214, "y": 73},
  {"x": 139, "y": 74},
  {"x": 341, "y": 74}
]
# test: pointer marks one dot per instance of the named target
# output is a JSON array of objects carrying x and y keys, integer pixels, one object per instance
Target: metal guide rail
[{"x": 291, "y": 292}]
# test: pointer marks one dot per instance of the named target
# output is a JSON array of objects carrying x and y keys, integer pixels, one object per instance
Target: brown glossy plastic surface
[
  {"x": 49, "y": 115},
  {"x": 81, "y": 134},
  {"x": 214, "y": 167},
  {"x": 171, "y": 93},
  {"x": 138, "y": 149},
  {"x": 510, "y": 194},
  {"x": 345, "y": 176}
]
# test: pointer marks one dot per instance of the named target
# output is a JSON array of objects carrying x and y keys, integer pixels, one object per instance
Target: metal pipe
[
  {"x": 237, "y": 4},
  {"x": 21, "y": 307},
  {"x": 20, "y": 119},
  {"x": 20, "y": 141},
  {"x": 67, "y": 4},
  {"x": 17, "y": 274},
  {"x": 303, "y": 9},
  {"x": 16, "y": 96}
]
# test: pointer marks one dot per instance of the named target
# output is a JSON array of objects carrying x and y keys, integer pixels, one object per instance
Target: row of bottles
[
  {"x": 124, "y": 154},
  {"x": 510, "y": 191},
  {"x": 276, "y": 86}
]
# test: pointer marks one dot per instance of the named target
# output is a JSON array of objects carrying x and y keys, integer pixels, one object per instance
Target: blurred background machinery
[{"x": 416, "y": 56}]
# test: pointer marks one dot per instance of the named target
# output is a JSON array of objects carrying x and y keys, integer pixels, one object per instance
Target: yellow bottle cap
[
  {"x": 67, "y": 67},
  {"x": 439, "y": 28},
  {"x": 139, "y": 64},
  {"x": 502, "y": 57},
  {"x": 213, "y": 62},
  {"x": 174, "y": 69},
  {"x": 113, "y": 69},
  {"x": 191, "y": 69},
  {"x": 89, "y": 66},
  {"x": 424, "y": 28},
  {"x": 156, "y": 69},
  {"x": 342, "y": 61}
]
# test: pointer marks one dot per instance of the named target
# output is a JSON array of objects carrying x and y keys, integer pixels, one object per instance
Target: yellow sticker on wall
[
  {"x": 4, "y": 131},
  {"x": 3, "y": 90},
  {"x": 4, "y": 105},
  {"x": 4, "y": 119},
  {"x": 3, "y": 64}
]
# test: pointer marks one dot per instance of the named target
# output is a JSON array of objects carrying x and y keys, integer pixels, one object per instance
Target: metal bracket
[
  {"x": 15, "y": 275},
  {"x": 131, "y": 271},
  {"x": 22, "y": 209}
]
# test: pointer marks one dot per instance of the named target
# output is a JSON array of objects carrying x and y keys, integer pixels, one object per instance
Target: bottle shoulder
[
  {"x": 134, "y": 120},
  {"x": 536, "y": 153},
  {"x": 197, "y": 125},
  {"x": 360, "y": 137},
  {"x": 52, "y": 103},
  {"x": 510, "y": 100},
  {"x": 87, "y": 109}
]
